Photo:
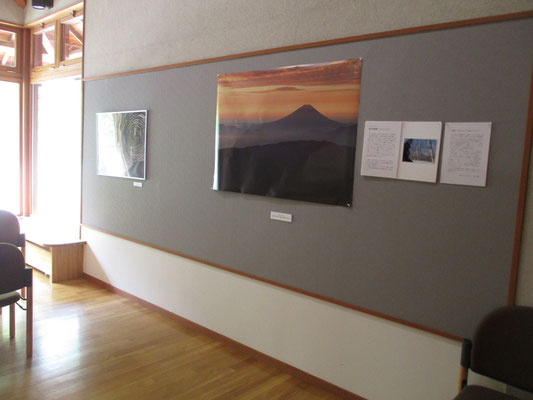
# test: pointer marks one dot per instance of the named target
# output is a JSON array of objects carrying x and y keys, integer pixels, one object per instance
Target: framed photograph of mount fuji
[{"x": 289, "y": 132}]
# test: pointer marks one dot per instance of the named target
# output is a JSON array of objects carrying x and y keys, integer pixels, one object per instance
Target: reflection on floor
[{"x": 93, "y": 344}]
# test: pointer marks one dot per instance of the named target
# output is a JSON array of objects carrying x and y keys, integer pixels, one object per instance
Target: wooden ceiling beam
[{"x": 77, "y": 36}]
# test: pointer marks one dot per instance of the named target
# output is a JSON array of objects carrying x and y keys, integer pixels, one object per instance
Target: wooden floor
[{"x": 92, "y": 344}]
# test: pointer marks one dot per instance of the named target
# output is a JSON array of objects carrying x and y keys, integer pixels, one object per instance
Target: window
[
  {"x": 40, "y": 165},
  {"x": 10, "y": 119},
  {"x": 57, "y": 47},
  {"x": 57, "y": 155},
  {"x": 10, "y": 161},
  {"x": 56, "y": 92},
  {"x": 72, "y": 38},
  {"x": 44, "y": 43},
  {"x": 8, "y": 47}
]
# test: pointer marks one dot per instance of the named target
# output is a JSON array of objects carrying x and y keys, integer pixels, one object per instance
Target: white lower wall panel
[{"x": 369, "y": 356}]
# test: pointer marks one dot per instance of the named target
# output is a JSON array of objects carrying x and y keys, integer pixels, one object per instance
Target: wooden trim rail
[
  {"x": 350, "y": 39},
  {"x": 521, "y": 207},
  {"x": 288, "y": 287}
]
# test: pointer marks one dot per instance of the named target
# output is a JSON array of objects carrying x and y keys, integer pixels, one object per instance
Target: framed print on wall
[{"x": 121, "y": 144}]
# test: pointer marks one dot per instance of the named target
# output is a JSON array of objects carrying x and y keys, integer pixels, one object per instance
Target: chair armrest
[
  {"x": 28, "y": 277},
  {"x": 466, "y": 351},
  {"x": 21, "y": 240}
]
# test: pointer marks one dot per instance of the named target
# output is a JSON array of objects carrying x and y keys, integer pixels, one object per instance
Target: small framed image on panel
[{"x": 121, "y": 144}]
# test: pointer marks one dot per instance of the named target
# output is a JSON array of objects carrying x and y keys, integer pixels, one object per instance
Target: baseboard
[{"x": 287, "y": 368}]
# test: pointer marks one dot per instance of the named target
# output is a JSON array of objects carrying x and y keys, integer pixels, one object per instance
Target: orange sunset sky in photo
[{"x": 262, "y": 96}]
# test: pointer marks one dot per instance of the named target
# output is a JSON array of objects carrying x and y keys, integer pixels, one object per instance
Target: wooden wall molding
[
  {"x": 283, "y": 286},
  {"x": 522, "y": 197},
  {"x": 11, "y": 24},
  {"x": 287, "y": 368},
  {"x": 349, "y": 39}
]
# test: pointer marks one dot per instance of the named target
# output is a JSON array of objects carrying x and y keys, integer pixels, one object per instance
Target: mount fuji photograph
[{"x": 289, "y": 132}]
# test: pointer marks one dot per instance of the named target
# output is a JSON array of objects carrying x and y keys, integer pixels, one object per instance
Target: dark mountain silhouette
[
  {"x": 305, "y": 123},
  {"x": 320, "y": 172},
  {"x": 303, "y": 156},
  {"x": 305, "y": 117}
]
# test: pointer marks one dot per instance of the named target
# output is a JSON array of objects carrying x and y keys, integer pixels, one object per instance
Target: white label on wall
[
  {"x": 137, "y": 184},
  {"x": 278, "y": 216}
]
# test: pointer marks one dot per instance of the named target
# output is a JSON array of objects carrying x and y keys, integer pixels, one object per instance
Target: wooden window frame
[
  {"x": 60, "y": 68},
  {"x": 37, "y": 31},
  {"x": 16, "y": 75},
  {"x": 74, "y": 17},
  {"x": 23, "y": 74},
  {"x": 13, "y": 74}
]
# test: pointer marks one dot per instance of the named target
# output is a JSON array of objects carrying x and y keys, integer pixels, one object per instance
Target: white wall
[
  {"x": 124, "y": 35},
  {"x": 369, "y": 356},
  {"x": 31, "y": 14},
  {"x": 11, "y": 12},
  {"x": 372, "y": 357}
]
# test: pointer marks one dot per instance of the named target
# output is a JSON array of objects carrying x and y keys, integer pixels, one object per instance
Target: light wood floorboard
[{"x": 90, "y": 343}]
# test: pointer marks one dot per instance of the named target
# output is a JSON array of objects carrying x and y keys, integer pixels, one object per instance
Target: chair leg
[
  {"x": 23, "y": 250},
  {"x": 12, "y": 320},
  {"x": 463, "y": 378},
  {"x": 29, "y": 321}
]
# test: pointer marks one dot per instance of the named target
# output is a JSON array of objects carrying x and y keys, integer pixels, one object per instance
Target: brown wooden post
[
  {"x": 29, "y": 321},
  {"x": 463, "y": 378},
  {"x": 12, "y": 320}
]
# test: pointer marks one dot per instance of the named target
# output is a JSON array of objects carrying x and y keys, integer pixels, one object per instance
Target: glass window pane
[
  {"x": 43, "y": 47},
  {"x": 8, "y": 44},
  {"x": 10, "y": 146},
  {"x": 72, "y": 40},
  {"x": 57, "y": 156}
]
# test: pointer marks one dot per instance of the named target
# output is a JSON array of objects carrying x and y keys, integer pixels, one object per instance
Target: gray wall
[{"x": 436, "y": 255}]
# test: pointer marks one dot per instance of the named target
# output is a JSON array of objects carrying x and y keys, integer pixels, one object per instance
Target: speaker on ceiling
[{"x": 42, "y": 4}]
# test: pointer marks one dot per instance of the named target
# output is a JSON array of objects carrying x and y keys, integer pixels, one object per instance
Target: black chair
[
  {"x": 10, "y": 233},
  {"x": 14, "y": 276},
  {"x": 10, "y": 230},
  {"x": 502, "y": 349}
]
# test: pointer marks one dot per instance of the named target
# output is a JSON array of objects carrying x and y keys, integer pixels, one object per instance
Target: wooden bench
[{"x": 61, "y": 260}]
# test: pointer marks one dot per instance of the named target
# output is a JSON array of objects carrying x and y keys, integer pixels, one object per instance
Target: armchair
[
  {"x": 14, "y": 276},
  {"x": 502, "y": 349},
  {"x": 10, "y": 233},
  {"x": 10, "y": 230}
]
